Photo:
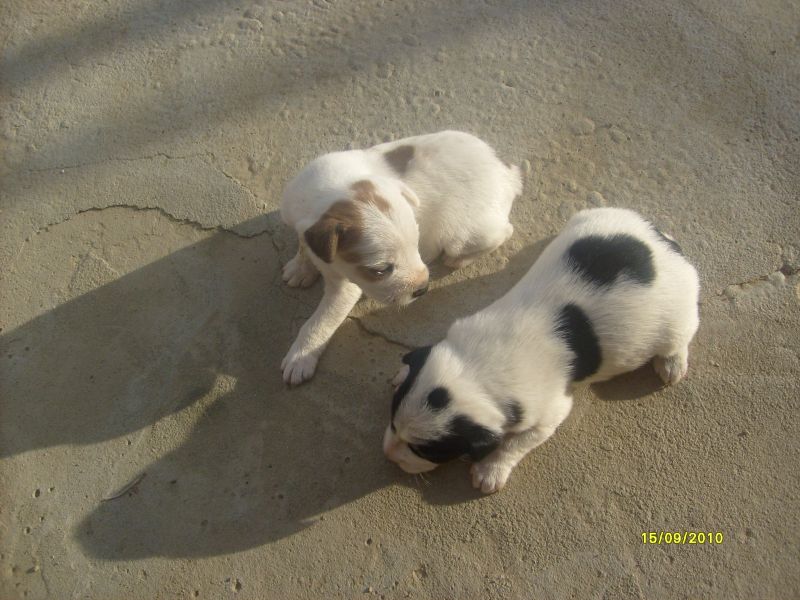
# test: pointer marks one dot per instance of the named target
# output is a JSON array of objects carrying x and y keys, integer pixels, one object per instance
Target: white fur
[
  {"x": 453, "y": 200},
  {"x": 510, "y": 350}
]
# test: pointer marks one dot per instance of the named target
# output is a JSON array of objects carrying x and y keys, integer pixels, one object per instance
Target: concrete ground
[{"x": 149, "y": 447}]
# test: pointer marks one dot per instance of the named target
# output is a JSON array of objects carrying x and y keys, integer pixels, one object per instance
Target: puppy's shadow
[
  {"x": 161, "y": 391},
  {"x": 634, "y": 385},
  {"x": 453, "y": 295},
  {"x": 174, "y": 367}
]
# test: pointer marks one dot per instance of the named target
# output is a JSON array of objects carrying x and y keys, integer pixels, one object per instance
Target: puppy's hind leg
[
  {"x": 459, "y": 257},
  {"x": 672, "y": 368},
  {"x": 672, "y": 362},
  {"x": 300, "y": 271}
]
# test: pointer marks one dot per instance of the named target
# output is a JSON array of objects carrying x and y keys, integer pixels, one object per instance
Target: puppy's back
[
  {"x": 615, "y": 274},
  {"x": 465, "y": 190}
]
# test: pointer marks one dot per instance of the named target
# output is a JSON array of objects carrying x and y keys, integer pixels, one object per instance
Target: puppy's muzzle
[
  {"x": 420, "y": 291},
  {"x": 390, "y": 445}
]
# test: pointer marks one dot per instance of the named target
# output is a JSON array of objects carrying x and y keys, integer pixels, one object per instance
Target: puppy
[
  {"x": 607, "y": 295},
  {"x": 370, "y": 220}
]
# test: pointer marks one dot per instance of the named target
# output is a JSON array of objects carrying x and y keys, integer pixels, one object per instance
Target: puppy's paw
[
  {"x": 671, "y": 369},
  {"x": 490, "y": 475},
  {"x": 298, "y": 367},
  {"x": 299, "y": 272}
]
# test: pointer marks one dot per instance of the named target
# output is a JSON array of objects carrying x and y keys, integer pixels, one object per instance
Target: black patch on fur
[
  {"x": 674, "y": 246},
  {"x": 438, "y": 399},
  {"x": 415, "y": 361},
  {"x": 575, "y": 328},
  {"x": 464, "y": 437},
  {"x": 602, "y": 260},
  {"x": 513, "y": 412}
]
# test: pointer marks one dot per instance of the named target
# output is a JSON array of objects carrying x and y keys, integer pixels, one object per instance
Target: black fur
[
  {"x": 513, "y": 412},
  {"x": 464, "y": 437},
  {"x": 674, "y": 246},
  {"x": 575, "y": 328},
  {"x": 602, "y": 260},
  {"x": 438, "y": 399},
  {"x": 415, "y": 361}
]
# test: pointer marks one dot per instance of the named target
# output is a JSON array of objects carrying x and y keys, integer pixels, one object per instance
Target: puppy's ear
[
  {"x": 415, "y": 361},
  {"x": 416, "y": 358},
  {"x": 323, "y": 237},
  {"x": 337, "y": 230}
]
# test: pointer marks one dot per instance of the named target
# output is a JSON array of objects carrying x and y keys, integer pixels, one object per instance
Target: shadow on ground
[
  {"x": 218, "y": 91},
  {"x": 184, "y": 353},
  {"x": 630, "y": 386}
]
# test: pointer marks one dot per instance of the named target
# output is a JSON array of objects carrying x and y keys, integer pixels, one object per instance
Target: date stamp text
[{"x": 683, "y": 537}]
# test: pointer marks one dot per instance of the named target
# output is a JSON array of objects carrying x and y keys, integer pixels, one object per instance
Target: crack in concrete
[
  {"x": 206, "y": 154},
  {"x": 109, "y": 160},
  {"x": 275, "y": 245},
  {"x": 163, "y": 212},
  {"x": 219, "y": 228},
  {"x": 786, "y": 270},
  {"x": 741, "y": 283},
  {"x": 232, "y": 178},
  {"x": 377, "y": 334}
]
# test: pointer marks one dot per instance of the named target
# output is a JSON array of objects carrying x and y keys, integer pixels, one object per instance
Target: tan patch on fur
[
  {"x": 338, "y": 231},
  {"x": 366, "y": 192},
  {"x": 399, "y": 158}
]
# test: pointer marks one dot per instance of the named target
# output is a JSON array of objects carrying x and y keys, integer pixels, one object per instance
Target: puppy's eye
[{"x": 382, "y": 270}]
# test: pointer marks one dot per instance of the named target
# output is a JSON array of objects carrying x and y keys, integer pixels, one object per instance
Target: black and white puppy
[
  {"x": 607, "y": 295},
  {"x": 369, "y": 221}
]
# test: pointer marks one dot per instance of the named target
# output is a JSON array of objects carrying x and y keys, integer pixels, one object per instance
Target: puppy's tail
[{"x": 515, "y": 179}]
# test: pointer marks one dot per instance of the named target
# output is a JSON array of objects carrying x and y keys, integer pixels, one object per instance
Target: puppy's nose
[{"x": 420, "y": 291}]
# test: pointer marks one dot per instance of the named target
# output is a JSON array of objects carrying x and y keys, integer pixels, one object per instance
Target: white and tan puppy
[
  {"x": 607, "y": 295},
  {"x": 370, "y": 220}
]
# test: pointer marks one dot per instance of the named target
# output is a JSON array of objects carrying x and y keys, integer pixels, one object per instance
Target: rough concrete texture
[{"x": 149, "y": 447}]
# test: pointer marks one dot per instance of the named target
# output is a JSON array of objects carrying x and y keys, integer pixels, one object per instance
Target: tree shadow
[
  {"x": 340, "y": 47},
  {"x": 217, "y": 92},
  {"x": 99, "y": 36}
]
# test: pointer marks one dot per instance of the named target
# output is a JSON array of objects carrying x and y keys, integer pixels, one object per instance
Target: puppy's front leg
[
  {"x": 339, "y": 298},
  {"x": 491, "y": 474}
]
